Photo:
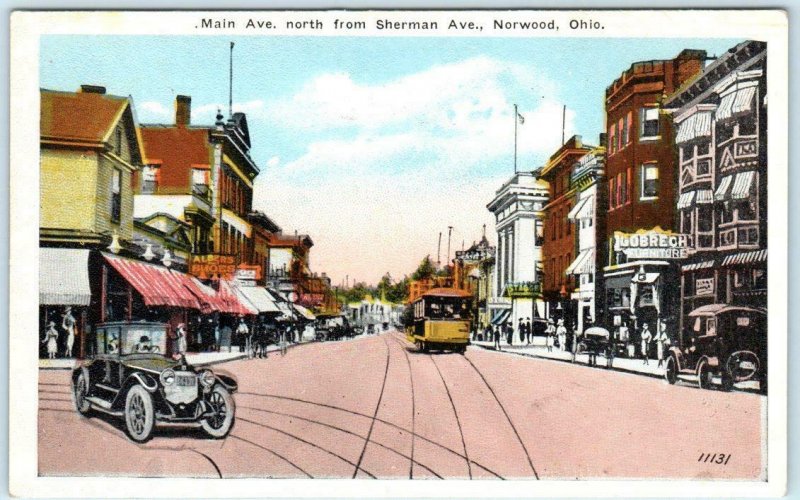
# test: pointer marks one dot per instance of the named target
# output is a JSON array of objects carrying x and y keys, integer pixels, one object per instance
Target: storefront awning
[
  {"x": 574, "y": 213},
  {"x": 208, "y": 297},
  {"x": 156, "y": 284},
  {"x": 705, "y": 196},
  {"x": 259, "y": 298},
  {"x": 724, "y": 186},
  {"x": 686, "y": 200},
  {"x": 64, "y": 277},
  {"x": 235, "y": 301},
  {"x": 304, "y": 312},
  {"x": 697, "y": 125},
  {"x": 583, "y": 263},
  {"x": 742, "y": 186},
  {"x": 501, "y": 316},
  {"x": 745, "y": 258},
  {"x": 740, "y": 101},
  {"x": 707, "y": 264}
]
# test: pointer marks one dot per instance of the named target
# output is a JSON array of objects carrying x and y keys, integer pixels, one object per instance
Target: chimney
[
  {"x": 92, "y": 89},
  {"x": 183, "y": 110}
]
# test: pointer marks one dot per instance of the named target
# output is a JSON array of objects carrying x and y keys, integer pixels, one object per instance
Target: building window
[
  {"x": 611, "y": 139},
  {"x": 621, "y": 133},
  {"x": 567, "y": 222},
  {"x": 116, "y": 195},
  {"x": 539, "y": 233},
  {"x": 149, "y": 179},
  {"x": 687, "y": 219},
  {"x": 705, "y": 226},
  {"x": 611, "y": 194},
  {"x": 200, "y": 181},
  {"x": 629, "y": 127},
  {"x": 649, "y": 120},
  {"x": 649, "y": 189},
  {"x": 628, "y": 183}
]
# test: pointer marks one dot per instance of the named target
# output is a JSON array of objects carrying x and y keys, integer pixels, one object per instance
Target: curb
[{"x": 612, "y": 368}]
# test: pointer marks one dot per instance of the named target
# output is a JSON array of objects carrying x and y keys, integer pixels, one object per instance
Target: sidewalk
[
  {"x": 194, "y": 358},
  {"x": 538, "y": 350}
]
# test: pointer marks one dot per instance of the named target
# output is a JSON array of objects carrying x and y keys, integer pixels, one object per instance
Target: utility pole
[
  {"x": 439, "y": 251},
  {"x": 449, "y": 232}
]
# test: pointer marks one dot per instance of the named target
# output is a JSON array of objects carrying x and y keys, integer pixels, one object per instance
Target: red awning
[
  {"x": 234, "y": 305},
  {"x": 157, "y": 285},
  {"x": 206, "y": 296}
]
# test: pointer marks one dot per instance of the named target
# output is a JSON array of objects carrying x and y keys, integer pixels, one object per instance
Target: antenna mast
[{"x": 230, "y": 84}]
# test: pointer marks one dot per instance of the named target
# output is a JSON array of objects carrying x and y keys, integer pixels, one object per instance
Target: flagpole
[
  {"x": 515, "y": 138},
  {"x": 230, "y": 83}
]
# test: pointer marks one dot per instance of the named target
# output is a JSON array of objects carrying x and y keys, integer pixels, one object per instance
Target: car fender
[
  {"x": 711, "y": 360},
  {"x": 146, "y": 381},
  {"x": 676, "y": 352},
  {"x": 226, "y": 381}
]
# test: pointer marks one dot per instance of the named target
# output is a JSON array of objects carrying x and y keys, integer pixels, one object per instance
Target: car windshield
[{"x": 131, "y": 338}]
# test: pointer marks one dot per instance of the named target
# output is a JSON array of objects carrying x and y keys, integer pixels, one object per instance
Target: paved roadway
[{"x": 373, "y": 407}]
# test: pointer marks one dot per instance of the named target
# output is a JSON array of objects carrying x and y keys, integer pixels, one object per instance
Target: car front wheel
[
  {"x": 704, "y": 375},
  {"x": 81, "y": 390},
  {"x": 139, "y": 414},
  {"x": 671, "y": 370},
  {"x": 221, "y": 409}
]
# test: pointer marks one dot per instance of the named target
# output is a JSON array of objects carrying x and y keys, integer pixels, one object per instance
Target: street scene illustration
[{"x": 356, "y": 258}]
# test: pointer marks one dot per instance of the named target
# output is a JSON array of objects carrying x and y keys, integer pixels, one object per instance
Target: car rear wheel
[
  {"x": 81, "y": 391},
  {"x": 704, "y": 375},
  {"x": 222, "y": 409},
  {"x": 671, "y": 370},
  {"x": 139, "y": 414}
]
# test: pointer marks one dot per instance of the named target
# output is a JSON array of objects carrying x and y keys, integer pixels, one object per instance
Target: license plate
[
  {"x": 747, "y": 365},
  {"x": 185, "y": 381}
]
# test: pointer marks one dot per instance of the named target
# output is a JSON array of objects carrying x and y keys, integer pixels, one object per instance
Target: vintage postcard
[{"x": 356, "y": 253}]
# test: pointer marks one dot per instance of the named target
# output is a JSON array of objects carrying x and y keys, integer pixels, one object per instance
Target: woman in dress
[
  {"x": 561, "y": 331},
  {"x": 662, "y": 341},
  {"x": 646, "y": 338},
  {"x": 51, "y": 339},
  {"x": 550, "y": 333},
  {"x": 68, "y": 324}
]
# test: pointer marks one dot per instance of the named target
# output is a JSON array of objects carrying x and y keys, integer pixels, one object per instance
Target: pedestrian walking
[
  {"x": 225, "y": 337},
  {"x": 285, "y": 333},
  {"x": 550, "y": 335},
  {"x": 242, "y": 336},
  {"x": 68, "y": 324},
  {"x": 521, "y": 330},
  {"x": 180, "y": 340},
  {"x": 51, "y": 339},
  {"x": 528, "y": 331},
  {"x": 662, "y": 341},
  {"x": 496, "y": 337},
  {"x": 646, "y": 337},
  {"x": 561, "y": 331},
  {"x": 509, "y": 333}
]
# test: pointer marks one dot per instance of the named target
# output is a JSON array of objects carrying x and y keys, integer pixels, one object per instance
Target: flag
[{"x": 521, "y": 119}]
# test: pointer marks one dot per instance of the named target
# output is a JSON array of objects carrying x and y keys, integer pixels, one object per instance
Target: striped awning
[
  {"x": 686, "y": 200},
  {"x": 706, "y": 264},
  {"x": 209, "y": 299},
  {"x": 64, "y": 277},
  {"x": 501, "y": 317},
  {"x": 742, "y": 186},
  {"x": 573, "y": 214},
  {"x": 724, "y": 186},
  {"x": 745, "y": 258},
  {"x": 156, "y": 284},
  {"x": 583, "y": 263},
  {"x": 259, "y": 298},
  {"x": 705, "y": 196},
  {"x": 235, "y": 301},
  {"x": 740, "y": 101},
  {"x": 697, "y": 125}
]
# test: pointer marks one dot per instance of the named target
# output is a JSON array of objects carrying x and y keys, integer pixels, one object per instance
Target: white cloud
[{"x": 154, "y": 108}]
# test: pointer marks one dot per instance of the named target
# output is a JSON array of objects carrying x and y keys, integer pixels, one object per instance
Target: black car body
[
  {"x": 723, "y": 342},
  {"x": 130, "y": 377},
  {"x": 597, "y": 341}
]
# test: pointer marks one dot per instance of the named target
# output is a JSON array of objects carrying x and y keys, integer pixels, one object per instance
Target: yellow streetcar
[{"x": 441, "y": 320}]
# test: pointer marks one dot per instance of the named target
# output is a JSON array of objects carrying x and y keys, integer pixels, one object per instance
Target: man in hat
[{"x": 68, "y": 324}]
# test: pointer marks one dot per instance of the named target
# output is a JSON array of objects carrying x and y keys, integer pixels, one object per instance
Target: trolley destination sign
[{"x": 653, "y": 244}]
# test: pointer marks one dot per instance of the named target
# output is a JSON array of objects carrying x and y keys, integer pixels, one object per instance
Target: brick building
[
  {"x": 642, "y": 177},
  {"x": 560, "y": 240}
]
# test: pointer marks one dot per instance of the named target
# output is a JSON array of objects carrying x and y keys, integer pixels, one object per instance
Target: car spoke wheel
[
  {"x": 671, "y": 370},
  {"x": 220, "y": 411},
  {"x": 704, "y": 375},
  {"x": 139, "y": 414},
  {"x": 81, "y": 391}
]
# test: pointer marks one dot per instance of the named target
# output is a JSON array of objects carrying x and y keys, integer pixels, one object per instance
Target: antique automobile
[
  {"x": 722, "y": 343},
  {"x": 597, "y": 341},
  {"x": 332, "y": 327},
  {"x": 129, "y": 376}
]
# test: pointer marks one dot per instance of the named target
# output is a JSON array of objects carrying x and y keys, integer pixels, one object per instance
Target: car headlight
[
  {"x": 167, "y": 377},
  {"x": 207, "y": 378}
]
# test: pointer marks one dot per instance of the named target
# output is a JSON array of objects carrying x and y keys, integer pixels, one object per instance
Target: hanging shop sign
[
  {"x": 247, "y": 272},
  {"x": 653, "y": 244},
  {"x": 704, "y": 286}
]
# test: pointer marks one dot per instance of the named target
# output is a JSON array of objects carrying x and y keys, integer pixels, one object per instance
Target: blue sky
[{"x": 371, "y": 145}]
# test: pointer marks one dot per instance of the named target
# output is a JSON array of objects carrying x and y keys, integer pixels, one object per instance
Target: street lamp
[
  {"x": 148, "y": 253},
  {"x": 167, "y": 259},
  {"x": 114, "y": 247}
]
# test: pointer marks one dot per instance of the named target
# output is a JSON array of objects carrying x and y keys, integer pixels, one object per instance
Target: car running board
[{"x": 103, "y": 405}]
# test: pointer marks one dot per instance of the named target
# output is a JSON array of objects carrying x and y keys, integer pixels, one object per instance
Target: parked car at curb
[
  {"x": 722, "y": 342},
  {"x": 130, "y": 377}
]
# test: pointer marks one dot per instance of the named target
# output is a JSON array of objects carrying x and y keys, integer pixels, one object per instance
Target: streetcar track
[
  {"x": 341, "y": 429},
  {"x": 305, "y": 441},
  {"x": 213, "y": 463},
  {"x": 455, "y": 412},
  {"x": 385, "y": 422},
  {"x": 273, "y": 452},
  {"x": 401, "y": 344},
  {"x": 377, "y": 408},
  {"x": 508, "y": 417}
]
